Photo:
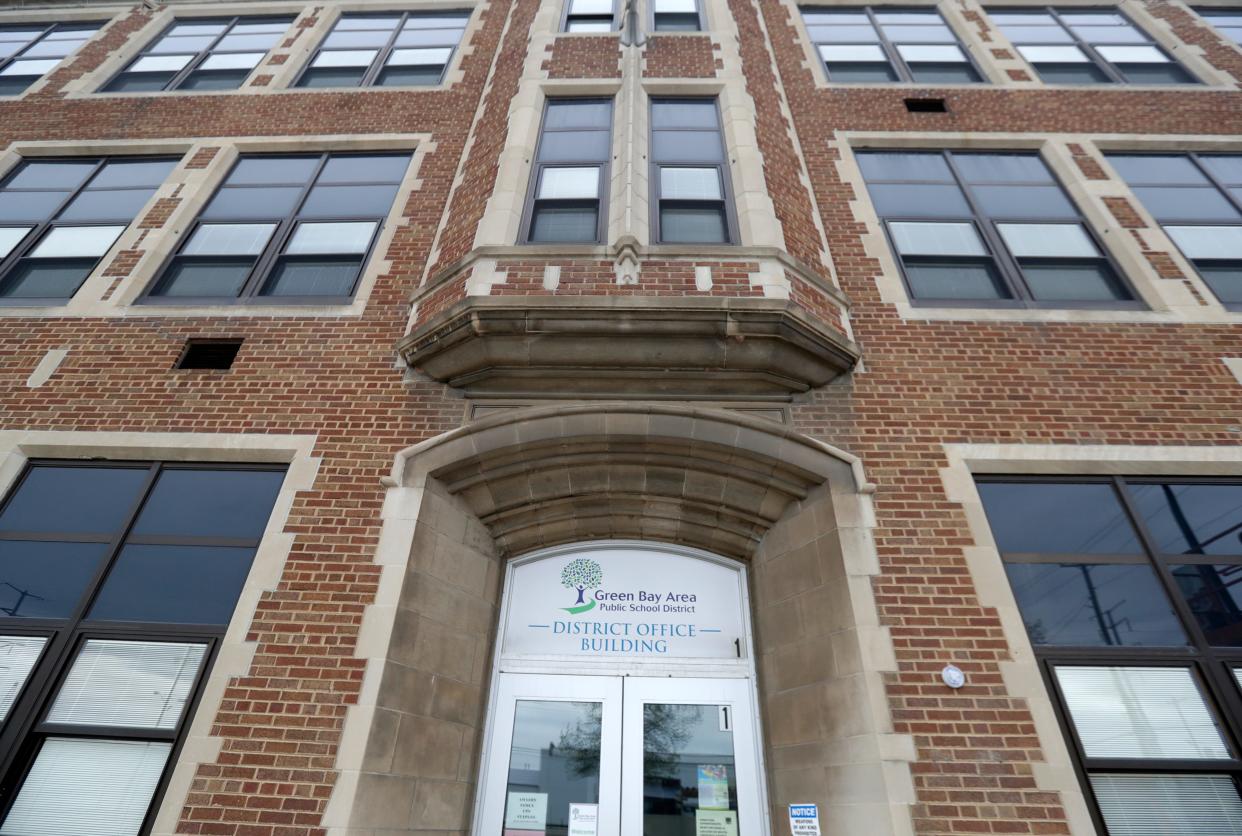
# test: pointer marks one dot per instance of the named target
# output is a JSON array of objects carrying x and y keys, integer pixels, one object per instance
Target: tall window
[
  {"x": 676, "y": 16},
  {"x": 689, "y": 174},
  {"x": 28, "y": 52},
  {"x": 59, "y": 217},
  {"x": 988, "y": 228},
  {"x": 1087, "y": 46},
  {"x": 202, "y": 55},
  {"x": 1197, "y": 198},
  {"x": 571, "y": 172},
  {"x": 386, "y": 50},
  {"x": 118, "y": 581},
  {"x": 867, "y": 44},
  {"x": 1130, "y": 592},
  {"x": 590, "y": 16},
  {"x": 1227, "y": 21},
  {"x": 293, "y": 228}
]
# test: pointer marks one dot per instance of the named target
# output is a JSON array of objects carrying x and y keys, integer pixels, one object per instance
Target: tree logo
[{"x": 582, "y": 574}]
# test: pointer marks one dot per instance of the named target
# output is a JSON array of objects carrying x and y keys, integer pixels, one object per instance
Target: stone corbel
[{"x": 627, "y": 261}]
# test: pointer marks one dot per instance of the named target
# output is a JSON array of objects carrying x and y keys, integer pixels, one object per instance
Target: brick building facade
[{"x": 322, "y": 322}]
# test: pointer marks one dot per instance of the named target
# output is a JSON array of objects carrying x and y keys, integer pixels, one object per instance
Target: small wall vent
[
  {"x": 926, "y": 106},
  {"x": 209, "y": 354}
]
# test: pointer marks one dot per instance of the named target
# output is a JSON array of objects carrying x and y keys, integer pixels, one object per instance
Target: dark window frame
[
  {"x": 42, "y": 229},
  {"x": 653, "y": 18},
  {"x": 1113, "y": 74},
  {"x": 1007, "y": 266},
  {"x": 24, "y": 730},
  {"x": 192, "y": 65},
  {"x": 1196, "y": 159},
  {"x": 49, "y": 29},
  {"x": 379, "y": 63},
  {"x": 264, "y": 264},
  {"x": 732, "y": 233},
  {"x": 538, "y": 167},
  {"x": 899, "y": 65},
  {"x": 1210, "y": 666},
  {"x": 567, "y": 19}
]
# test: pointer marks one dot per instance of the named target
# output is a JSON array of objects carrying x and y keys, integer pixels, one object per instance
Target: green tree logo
[{"x": 581, "y": 574}]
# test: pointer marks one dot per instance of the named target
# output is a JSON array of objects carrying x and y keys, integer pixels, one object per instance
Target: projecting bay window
[
  {"x": 216, "y": 54},
  {"x": 689, "y": 174},
  {"x": 676, "y": 16},
  {"x": 386, "y": 50},
  {"x": 28, "y": 52},
  {"x": 289, "y": 229},
  {"x": 570, "y": 178},
  {"x": 1130, "y": 593},
  {"x": 119, "y": 580},
  {"x": 589, "y": 16},
  {"x": 885, "y": 44},
  {"x": 1087, "y": 46},
  {"x": 1197, "y": 198},
  {"x": 58, "y": 218},
  {"x": 988, "y": 229}
]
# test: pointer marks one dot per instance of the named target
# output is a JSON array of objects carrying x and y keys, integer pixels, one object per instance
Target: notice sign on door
[
  {"x": 804, "y": 819},
  {"x": 583, "y": 819},
  {"x": 527, "y": 811},
  {"x": 715, "y": 823}
]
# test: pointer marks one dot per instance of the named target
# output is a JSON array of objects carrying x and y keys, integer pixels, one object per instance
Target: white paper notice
[
  {"x": 715, "y": 823},
  {"x": 583, "y": 819},
  {"x": 804, "y": 820},
  {"x": 527, "y": 811}
]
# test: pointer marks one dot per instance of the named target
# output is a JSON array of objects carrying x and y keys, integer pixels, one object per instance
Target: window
[
  {"x": 1198, "y": 200},
  {"x": 202, "y": 55},
  {"x": 386, "y": 50},
  {"x": 866, "y": 44},
  {"x": 1087, "y": 46},
  {"x": 1129, "y": 589},
  {"x": 285, "y": 229},
  {"x": 58, "y": 218},
  {"x": 676, "y": 16},
  {"x": 119, "y": 580},
  {"x": 571, "y": 172},
  {"x": 1228, "y": 22},
  {"x": 988, "y": 229},
  {"x": 27, "y": 53},
  {"x": 589, "y": 16},
  {"x": 688, "y": 174}
]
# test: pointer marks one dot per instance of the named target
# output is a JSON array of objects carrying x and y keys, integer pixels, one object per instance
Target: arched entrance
[{"x": 623, "y": 698}]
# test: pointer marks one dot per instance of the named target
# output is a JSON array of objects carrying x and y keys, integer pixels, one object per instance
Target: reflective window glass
[{"x": 1057, "y": 518}]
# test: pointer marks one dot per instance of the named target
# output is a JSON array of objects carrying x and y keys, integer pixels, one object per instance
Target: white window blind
[
  {"x": 18, "y": 655},
  {"x": 1169, "y": 805},
  {"x": 132, "y": 684},
  {"x": 109, "y": 782},
  {"x": 1135, "y": 712}
]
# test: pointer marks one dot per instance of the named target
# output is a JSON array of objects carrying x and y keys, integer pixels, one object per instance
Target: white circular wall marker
[{"x": 953, "y": 676}]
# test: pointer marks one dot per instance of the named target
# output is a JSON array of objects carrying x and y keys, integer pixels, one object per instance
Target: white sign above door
[{"x": 624, "y": 601}]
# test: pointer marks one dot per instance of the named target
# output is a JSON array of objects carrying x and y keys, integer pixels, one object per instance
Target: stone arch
[{"x": 795, "y": 510}]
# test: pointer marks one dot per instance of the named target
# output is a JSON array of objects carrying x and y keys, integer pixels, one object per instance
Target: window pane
[
  {"x": 1212, "y": 242},
  {"x": 1192, "y": 519},
  {"x": 1054, "y": 54},
  {"x": 946, "y": 54},
  {"x": 1002, "y": 168},
  {"x": 555, "y": 751},
  {"x": 1037, "y": 34},
  {"x": 1085, "y": 282},
  {"x": 693, "y": 225},
  {"x": 1156, "y": 169},
  {"x": 860, "y": 52},
  {"x": 845, "y": 34},
  {"x": 437, "y": 20},
  {"x": 577, "y": 114},
  {"x": 589, "y": 26},
  {"x": 574, "y": 146},
  {"x": 590, "y": 7},
  {"x": 420, "y": 57},
  {"x": 686, "y": 146},
  {"x": 1047, "y": 240},
  {"x": 253, "y": 203},
  {"x": 10, "y": 237},
  {"x": 564, "y": 224},
  {"x": 232, "y": 61},
  {"x": 204, "y": 278},
  {"x": 377, "y": 169},
  {"x": 345, "y": 58},
  {"x": 111, "y": 783},
  {"x": 229, "y": 239},
  {"x": 46, "y": 278},
  {"x": 260, "y": 42},
  {"x": 961, "y": 73},
  {"x": 860, "y": 72},
  {"x": 210, "y": 503},
  {"x": 690, "y": 183},
  {"x": 45, "y": 580},
  {"x": 921, "y": 34},
  {"x": 273, "y": 170},
  {"x": 349, "y": 201},
  {"x": 1228, "y": 170},
  {"x": 681, "y": 113},
  {"x": 1136, "y": 712},
  {"x": 320, "y": 238},
  {"x": 885, "y": 166},
  {"x": 18, "y": 655},
  {"x": 1187, "y": 204},
  {"x": 367, "y": 22},
  {"x": 33, "y": 68},
  {"x": 676, "y": 6},
  {"x": 100, "y": 499},
  {"x": 410, "y": 76},
  {"x": 77, "y": 242},
  {"x": 1213, "y": 595},
  {"x": 1094, "y": 604},
  {"x": 1109, "y": 34},
  {"x": 967, "y": 281},
  {"x": 51, "y": 175},
  {"x": 159, "y": 64},
  {"x": 107, "y": 205},
  {"x": 130, "y": 173},
  {"x": 317, "y": 277},
  {"x": 29, "y": 206},
  {"x": 1225, "y": 280},
  {"x": 182, "y": 30},
  {"x": 173, "y": 584},
  {"x": 1168, "y": 805},
  {"x": 128, "y": 684},
  {"x": 1133, "y": 54},
  {"x": 1057, "y": 518},
  {"x": 182, "y": 45},
  {"x": 1024, "y": 202},
  {"x": 1072, "y": 74},
  {"x": 919, "y": 201},
  {"x": 937, "y": 239},
  {"x": 568, "y": 184}
]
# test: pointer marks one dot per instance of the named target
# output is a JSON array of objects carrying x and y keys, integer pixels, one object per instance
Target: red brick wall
[{"x": 680, "y": 56}]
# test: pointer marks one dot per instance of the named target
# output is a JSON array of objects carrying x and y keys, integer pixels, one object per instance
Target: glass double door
[{"x": 621, "y": 756}]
